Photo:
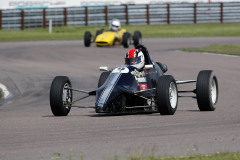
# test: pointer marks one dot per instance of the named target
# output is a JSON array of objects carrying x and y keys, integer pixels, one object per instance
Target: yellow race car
[{"x": 112, "y": 38}]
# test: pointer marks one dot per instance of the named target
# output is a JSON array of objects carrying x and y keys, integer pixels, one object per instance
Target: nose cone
[
  {"x": 105, "y": 39},
  {"x": 100, "y": 108},
  {"x": 107, "y": 93},
  {"x": 121, "y": 82},
  {"x": 105, "y": 100}
]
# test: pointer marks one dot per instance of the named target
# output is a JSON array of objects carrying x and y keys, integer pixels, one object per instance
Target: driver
[
  {"x": 115, "y": 25},
  {"x": 140, "y": 56},
  {"x": 135, "y": 58}
]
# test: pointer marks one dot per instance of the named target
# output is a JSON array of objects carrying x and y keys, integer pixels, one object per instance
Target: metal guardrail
[{"x": 174, "y": 13}]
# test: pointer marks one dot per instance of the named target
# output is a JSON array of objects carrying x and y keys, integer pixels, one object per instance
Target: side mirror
[
  {"x": 103, "y": 68},
  {"x": 149, "y": 66}
]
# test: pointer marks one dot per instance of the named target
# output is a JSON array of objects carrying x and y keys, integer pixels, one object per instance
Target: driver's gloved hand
[{"x": 142, "y": 48}]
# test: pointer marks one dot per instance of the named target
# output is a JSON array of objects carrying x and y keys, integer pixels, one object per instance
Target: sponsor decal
[
  {"x": 141, "y": 79},
  {"x": 121, "y": 70},
  {"x": 143, "y": 87},
  {"x": 139, "y": 76}
]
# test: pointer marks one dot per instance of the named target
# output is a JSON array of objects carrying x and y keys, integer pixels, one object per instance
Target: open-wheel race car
[
  {"x": 127, "y": 89},
  {"x": 113, "y": 38}
]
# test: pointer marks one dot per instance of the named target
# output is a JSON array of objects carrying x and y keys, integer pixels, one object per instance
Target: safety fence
[{"x": 174, "y": 13}]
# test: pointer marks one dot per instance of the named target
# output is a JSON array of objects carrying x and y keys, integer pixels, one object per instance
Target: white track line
[{"x": 5, "y": 91}]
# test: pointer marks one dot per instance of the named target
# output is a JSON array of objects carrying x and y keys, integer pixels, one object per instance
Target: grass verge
[
  {"x": 148, "y": 31},
  {"x": 220, "y": 49},
  {"x": 217, "y": 156}
]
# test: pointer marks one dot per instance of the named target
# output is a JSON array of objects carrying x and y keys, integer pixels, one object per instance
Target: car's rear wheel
[
  {"x": 103, "y": 77},
  {"x": 98, "y": 33},
  {"x": 167, "y": 95},
  {"x": 126, "y": 40},
  {"x": 207, "y": 90},
  {"x": 137, "y": 38},
  {"x": 60, "y": 96},
  {"x": 87, "y": 39},
  {"x": 163, "y": 67}
]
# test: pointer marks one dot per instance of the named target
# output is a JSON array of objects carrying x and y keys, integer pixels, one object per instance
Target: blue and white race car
[{"x": 127, "y": 89}]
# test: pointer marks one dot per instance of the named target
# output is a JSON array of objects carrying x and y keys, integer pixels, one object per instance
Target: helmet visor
[
  {"x": 115, "y": 26},
  {"x": 132, "y": 61}
]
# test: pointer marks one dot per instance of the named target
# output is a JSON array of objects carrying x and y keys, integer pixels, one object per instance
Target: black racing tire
[
  {"x": 60, "y": 96},
  {"x": 137, "y": 38},
  {"x": 126, "y": 40},
  {"x": 167, "y": 95},
  {"x": 114, "y": 42},
  {"x": 98, "y": 32},
  {"x": 87, "y": 39},
  {"x": 103, "y": 77},
  {"x": 207, "y": 90}
]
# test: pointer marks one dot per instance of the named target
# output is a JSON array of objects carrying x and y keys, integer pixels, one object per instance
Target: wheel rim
[
  {"x": 67, "y": 96},
  {"x": 173, "y": 95},
  {"x": 214, "y": 91}
]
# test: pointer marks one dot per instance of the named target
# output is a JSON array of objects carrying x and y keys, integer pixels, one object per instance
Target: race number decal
[{"x": 121, "y": 70}]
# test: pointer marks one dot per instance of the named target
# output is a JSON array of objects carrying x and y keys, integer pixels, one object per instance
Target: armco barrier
[{"x": 174, "y": 13}]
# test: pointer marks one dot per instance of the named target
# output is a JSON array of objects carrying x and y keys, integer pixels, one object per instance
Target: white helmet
[
  {"x": 115, "y": 25},
  {"x": 135, "y": 58}
]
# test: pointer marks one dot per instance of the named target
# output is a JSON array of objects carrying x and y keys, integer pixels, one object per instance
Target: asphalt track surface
[{"x": 29, "y": 131}]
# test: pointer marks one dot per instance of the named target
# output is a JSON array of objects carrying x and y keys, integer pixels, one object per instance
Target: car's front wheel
[
  {"x": 207, "y": 90},
  {"x": 60, "y": 96},
  {"x": 87, "y": 39},
  {"x": 167, "y": 95}
]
